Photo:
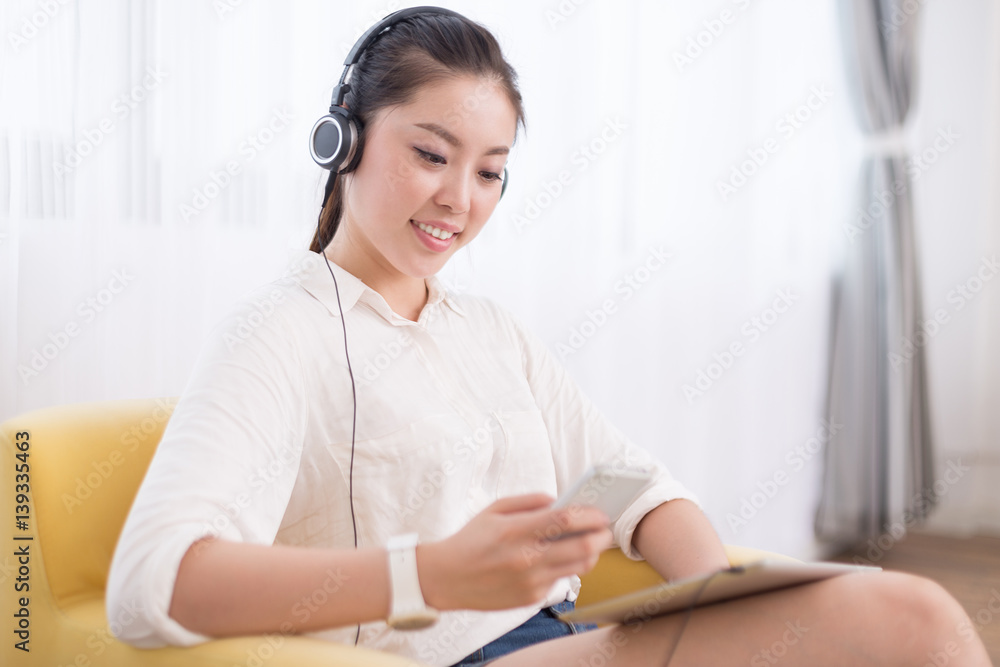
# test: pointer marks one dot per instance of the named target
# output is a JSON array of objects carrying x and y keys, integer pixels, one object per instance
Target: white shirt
[{"x": 454, "y": 411}]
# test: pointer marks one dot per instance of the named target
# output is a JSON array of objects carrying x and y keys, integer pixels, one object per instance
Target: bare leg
[{"x": 879, "y": 619}]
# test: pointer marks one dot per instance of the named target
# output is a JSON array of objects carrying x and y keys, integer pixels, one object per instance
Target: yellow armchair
[{"x": 70, "y": 474}]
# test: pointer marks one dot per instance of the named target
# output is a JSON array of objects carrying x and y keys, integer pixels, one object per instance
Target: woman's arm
[
  {"x": 501, "y": 559},
  {"x": 678, "y": 540},
  {"x": 228, "y": 588}
]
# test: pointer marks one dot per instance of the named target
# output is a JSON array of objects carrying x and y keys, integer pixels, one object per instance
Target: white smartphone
[{"x": 608, "y": 488}]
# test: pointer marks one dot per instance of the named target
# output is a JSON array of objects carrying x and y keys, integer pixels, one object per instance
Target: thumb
[{"x": 523, "y": 503}]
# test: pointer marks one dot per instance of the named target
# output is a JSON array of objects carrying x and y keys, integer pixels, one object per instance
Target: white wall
[{"x": 958, "y": 210}]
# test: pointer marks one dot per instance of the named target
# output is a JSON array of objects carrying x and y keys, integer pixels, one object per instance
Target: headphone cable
[
  {"x": 354, "y": 400},
  {"x": 694, "y": 603}
]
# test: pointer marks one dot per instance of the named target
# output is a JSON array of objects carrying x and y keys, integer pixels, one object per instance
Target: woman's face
[{"x": 429, "y": 177}]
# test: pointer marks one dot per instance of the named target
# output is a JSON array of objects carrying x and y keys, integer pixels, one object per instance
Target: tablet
[{"x": 749, "y": 579}]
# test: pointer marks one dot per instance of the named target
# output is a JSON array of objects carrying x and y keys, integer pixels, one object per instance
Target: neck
[{"x": 405, "y": 294}]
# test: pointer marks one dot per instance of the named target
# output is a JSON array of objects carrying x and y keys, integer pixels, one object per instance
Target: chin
[{"x": 425, "y": 268}]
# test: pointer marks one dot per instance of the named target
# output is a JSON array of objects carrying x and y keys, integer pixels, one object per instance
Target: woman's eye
[
  {"x": 435, "y": 159},
  {"x": 430, "y": 157}
]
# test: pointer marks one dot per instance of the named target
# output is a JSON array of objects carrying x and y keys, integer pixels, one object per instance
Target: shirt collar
[
  {"x": 310, "y": 271},
  {"x": 438, "y": 293}
]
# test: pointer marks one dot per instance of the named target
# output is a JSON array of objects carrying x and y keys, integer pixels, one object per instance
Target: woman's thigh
[{"x": 856, "y": 619}]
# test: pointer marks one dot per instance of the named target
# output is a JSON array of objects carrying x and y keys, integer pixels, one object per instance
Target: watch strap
[{"x": 409, "y": 610}]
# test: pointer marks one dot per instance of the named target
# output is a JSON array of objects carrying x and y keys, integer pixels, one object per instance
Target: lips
[
  {"x": 434, "y": 237},
  {"x": 435, "y": 231}
]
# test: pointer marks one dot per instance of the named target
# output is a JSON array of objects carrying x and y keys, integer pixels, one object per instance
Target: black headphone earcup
[
  {"x": 334, "y": 139},
  {"x": 503, "y": 187}
]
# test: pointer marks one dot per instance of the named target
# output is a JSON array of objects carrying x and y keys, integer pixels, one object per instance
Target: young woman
[{"x": 272, "y": 506}]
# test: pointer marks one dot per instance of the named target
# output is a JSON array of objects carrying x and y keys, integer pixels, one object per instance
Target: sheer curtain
[
  {"x": 669, "y": 229},
  {"x": 880, "y": 465}
]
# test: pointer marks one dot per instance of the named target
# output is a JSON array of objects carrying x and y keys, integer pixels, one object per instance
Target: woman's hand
[{"x": 511, "y": 554}]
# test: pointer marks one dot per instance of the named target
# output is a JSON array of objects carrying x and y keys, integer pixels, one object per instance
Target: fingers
[
  {"x": 567, "y": 541},
  {"x": 529, "y": 515},
  {"x": 553, "y": 559},
  {"x": 574, "y": 518},
  {"x": 560, "y": 523},
  {"x": 555, "y": 543},
  {"x": 511, "y": 553},
  {"x": 523, "y": 503}
]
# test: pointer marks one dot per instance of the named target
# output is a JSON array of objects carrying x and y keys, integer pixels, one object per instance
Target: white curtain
[
  {"x": 710, "y": 132},
  {"x": 879, "y": 467}
]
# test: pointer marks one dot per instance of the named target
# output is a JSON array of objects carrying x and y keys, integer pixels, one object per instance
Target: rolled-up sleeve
[
  {"x": 581, "y": 437},
  {"x": 225, "y": 467}
]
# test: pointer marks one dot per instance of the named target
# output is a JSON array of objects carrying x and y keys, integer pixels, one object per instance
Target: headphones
[{"x": 333, "y": 142}]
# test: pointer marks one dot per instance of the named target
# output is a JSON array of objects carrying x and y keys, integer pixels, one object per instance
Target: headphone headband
[{"x": 373, "y": 33}]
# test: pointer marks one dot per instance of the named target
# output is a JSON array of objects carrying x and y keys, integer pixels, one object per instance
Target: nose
[{"x": 454, "y": 192}]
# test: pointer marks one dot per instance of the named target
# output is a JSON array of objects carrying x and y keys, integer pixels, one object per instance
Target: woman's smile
[{"x": 434, "y": 234}]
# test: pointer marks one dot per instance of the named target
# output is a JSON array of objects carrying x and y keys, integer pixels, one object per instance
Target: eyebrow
[{"x": 454, "y": 141}]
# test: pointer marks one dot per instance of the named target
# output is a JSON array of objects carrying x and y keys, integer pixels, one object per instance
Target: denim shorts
[{"x": 542, "y": 626}]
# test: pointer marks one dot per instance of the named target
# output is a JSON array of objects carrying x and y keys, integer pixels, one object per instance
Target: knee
[{"x": 915, "y": 608}]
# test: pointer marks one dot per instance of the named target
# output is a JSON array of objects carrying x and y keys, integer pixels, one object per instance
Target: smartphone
[{"x": 608, "y": 488}]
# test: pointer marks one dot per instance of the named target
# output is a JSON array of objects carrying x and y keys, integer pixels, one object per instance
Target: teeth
[{"x": 436, "y": 232}]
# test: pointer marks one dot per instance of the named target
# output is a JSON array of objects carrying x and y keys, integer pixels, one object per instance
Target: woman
[{"x": 272, "y": 506}]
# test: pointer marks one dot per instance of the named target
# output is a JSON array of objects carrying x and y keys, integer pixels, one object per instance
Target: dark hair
[{"x": 413, "y": 53}]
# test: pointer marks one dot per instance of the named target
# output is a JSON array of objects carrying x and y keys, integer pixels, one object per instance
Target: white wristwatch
[{"x": 409, "y": 611}]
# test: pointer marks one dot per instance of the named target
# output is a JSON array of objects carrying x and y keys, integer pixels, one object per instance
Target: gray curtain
[{"x": 878, "y": 467}]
